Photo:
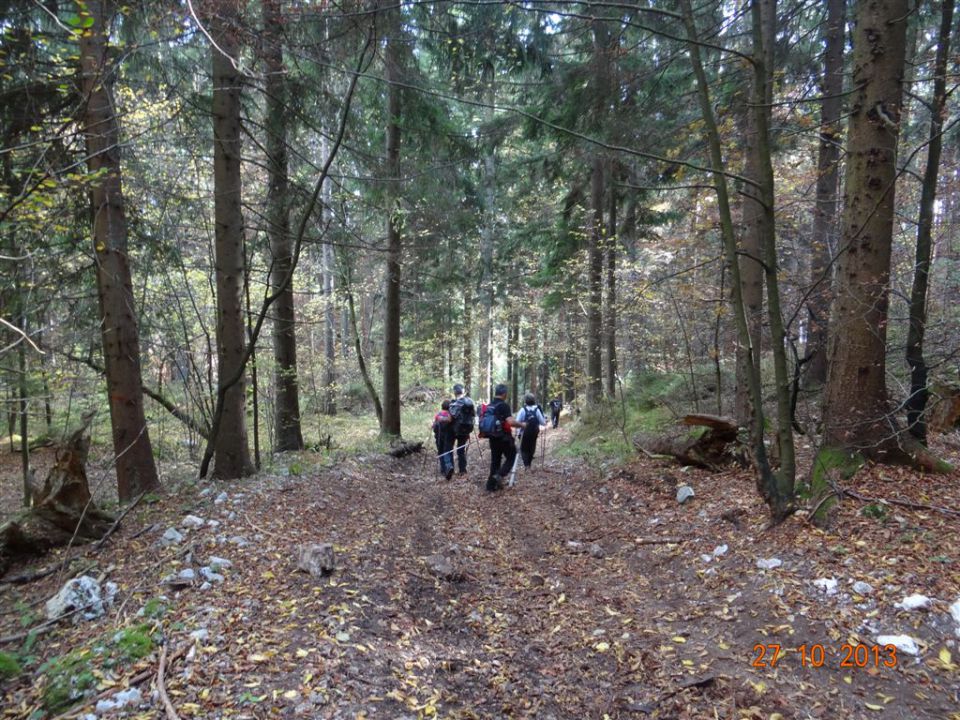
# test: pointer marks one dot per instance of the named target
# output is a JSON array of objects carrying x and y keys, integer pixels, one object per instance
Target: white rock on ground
[
  {"x": 82, "y": 592},
  {"x": 955, "y": 613},
  {"x": 221, "y": 498},
  {"x": 121, "y": 699},
  {"x": 769, "y": 563},
  {"x": 210, "y": 576},
  {"x": 720, "y": 550},
  {"x": 862, "y": 588},
  {"x": 827, "y": 585},
  {"x": 218, "y": 563},
  {"x": 903, "y": 643},
  {"x": 192, "y": 521},
  {"x": 187, "y": 574},
  {"x": 914, "y": 602}
]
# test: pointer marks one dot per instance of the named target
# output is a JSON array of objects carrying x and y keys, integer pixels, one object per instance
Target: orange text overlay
[{"x": 847, "y": 655}]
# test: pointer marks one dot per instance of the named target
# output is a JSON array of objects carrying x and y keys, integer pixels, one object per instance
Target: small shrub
[
  {"x": 68, "y": 679},
  {"x": 131, "y": 644},
  {"x": 877, "y": 511},
  {"x": 154, "y": 608},
  {"x": 9, "y": 666}
]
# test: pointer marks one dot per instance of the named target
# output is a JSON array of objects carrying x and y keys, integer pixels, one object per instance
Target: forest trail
[{"x": 563, "y": 599}]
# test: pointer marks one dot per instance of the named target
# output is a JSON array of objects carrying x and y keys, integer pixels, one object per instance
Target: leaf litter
[{"x": 572, "y": 595}]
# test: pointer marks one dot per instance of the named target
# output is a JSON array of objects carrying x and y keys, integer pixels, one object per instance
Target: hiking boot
[
  {"x": 448, "y": 474},
  {"x": 493, "y": 483}
]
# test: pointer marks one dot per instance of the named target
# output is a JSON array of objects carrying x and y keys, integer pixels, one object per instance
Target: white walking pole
[{"x": 513, "y": 472}]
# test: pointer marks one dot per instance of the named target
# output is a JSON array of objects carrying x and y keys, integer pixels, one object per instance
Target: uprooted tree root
[
  {"x": 712, "y": 444},
  {"x": 63, "y": 510}
]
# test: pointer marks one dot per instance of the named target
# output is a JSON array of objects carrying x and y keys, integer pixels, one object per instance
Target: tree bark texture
[
  {"x": 136, "y": 471},
  {"x": 329, "y": 309},
  {"x": 823, "y": 241},
  {"x": 765, "y": 478},
  {"x": 466, "y": 334},
  {"x": 919, "y": 393},
  {"x": 857, "y": 412},
  {"x": 751, "y": 271},
  {"x": 594, "y": 293},
  {"x": 390, "y": 423},
  {"x": 287, "y": 431},
  {"x": 231, "y": 451},
  {"x": 610, "y": 316},
  {"x": 778, "y": 488},
  {"x": 486, "y": 284}
]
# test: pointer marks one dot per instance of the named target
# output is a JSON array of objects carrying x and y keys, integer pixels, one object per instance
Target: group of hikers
[{"x": 454, "y": 425}]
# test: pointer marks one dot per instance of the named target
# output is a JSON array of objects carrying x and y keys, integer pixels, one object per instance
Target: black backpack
[
  {"x": 532, "y": 417},
  {"x": 464, "y": 415}
]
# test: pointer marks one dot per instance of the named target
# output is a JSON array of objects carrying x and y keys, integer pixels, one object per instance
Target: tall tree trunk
[
  {"x": 778, "y": 490},
  {"x": 595, "y": 235},
  {"x": 751, "y": 269},
  {"x": 467, "y": 337},
  {"x": 823, "y": 243},
  {"x": 857, "y": 415},
  {"x": 513, "y": 358},
  {"x": 361, "y": 363},
  {"x": 486, "y": 284},
  {"x": 329, "y": 314},
  {"x": 390, "y": 424},
  {"x": 569, "y": 371},
  {"x": 231, "y": 451},
  {"x": 287, "y": 432},
  {"x": 136, "y": 471},
  {"x": 610, "y": 316},
  {"x": 917, "y": 402},
  {"x": 765, "y": 475}
]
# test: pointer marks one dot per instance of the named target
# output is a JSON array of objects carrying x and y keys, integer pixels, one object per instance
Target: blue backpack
[{"x": 490, "y": 425}]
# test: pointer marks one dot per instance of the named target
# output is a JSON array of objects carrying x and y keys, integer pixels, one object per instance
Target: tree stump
[
  {"x": 944, "y": 415},
  {"x": 63, "y": 510},
  {"x": 717, "y": 446}
]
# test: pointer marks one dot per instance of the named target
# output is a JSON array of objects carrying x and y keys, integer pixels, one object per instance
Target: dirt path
[{"x": 565, "y": 602}]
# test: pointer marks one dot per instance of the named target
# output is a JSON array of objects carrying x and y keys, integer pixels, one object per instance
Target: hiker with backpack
[
  {"x": 531, "y": 419},
  {"x": 496, "y": 424},
  {"x": 464, "y": 414},
  {"x": 556, "y": 405},
  {"x": 443, "y": 434}
]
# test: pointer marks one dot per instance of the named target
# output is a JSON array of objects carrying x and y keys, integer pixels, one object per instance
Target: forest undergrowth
[{"x": 580, "y": 593}]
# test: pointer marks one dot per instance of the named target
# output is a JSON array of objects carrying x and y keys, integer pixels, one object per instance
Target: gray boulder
[
  {"x": 684, "y": 493},
  {"x": 82, "y": 592}
]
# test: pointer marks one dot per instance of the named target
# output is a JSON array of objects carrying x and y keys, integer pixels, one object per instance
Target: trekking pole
[
  {"x": 513, "y": 472},
  {"x": 543, "y": 448},
  {"x": 476, "y": 438}
]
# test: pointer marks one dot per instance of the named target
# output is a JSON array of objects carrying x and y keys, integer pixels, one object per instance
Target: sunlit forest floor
[{"x": 580, "y": 593}]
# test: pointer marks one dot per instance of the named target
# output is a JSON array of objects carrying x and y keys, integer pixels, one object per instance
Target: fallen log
[
  {"x": 405, "y": 449},
  {"x": 712, "y": 449},
  {"x": 63, "y": 510}
]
